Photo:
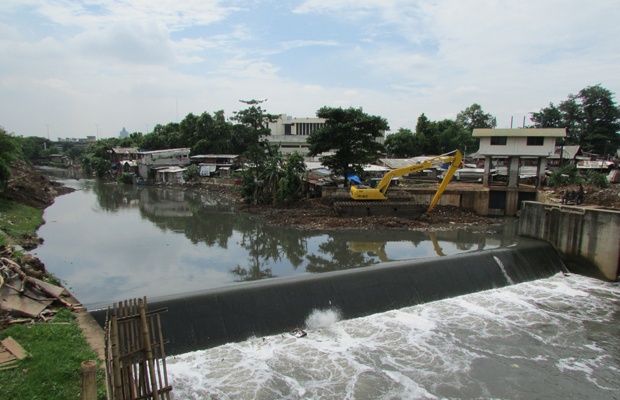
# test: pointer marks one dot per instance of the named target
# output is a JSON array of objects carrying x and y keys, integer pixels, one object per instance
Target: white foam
[
  {"x": 322, "y": 318},
  {"x": 457, "y": 347}
]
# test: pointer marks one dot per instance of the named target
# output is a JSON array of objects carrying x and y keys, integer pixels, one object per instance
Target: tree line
[{"x": 591, "y": 117}]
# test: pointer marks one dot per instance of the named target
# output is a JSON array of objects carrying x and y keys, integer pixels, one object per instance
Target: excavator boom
[{"x": 380, "y": 192}]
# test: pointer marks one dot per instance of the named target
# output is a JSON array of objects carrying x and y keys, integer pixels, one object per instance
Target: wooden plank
[
  {"x": 12, "y": 302},
  {"x": 6, "y": 356},
  {"x": 50, "y": 288},
  {"x": 11, "y": 345}
]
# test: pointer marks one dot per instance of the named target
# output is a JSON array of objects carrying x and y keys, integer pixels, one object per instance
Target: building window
[
  {"x": 498, "y": 140},
  {"x": 535, "y": 140}
]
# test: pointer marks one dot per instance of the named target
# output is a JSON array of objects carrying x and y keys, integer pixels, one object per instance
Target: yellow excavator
[{"x": 379, "y": 192}]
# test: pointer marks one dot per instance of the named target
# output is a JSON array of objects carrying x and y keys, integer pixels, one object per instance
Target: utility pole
[
  {"x": 97, "y": 126},
  {"x": 48, "y": 131}
]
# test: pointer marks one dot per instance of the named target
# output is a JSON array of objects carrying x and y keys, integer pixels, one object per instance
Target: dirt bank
[{"x": 30, "y": 187}]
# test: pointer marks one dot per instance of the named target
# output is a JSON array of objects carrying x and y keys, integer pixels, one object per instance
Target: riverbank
[{"x": 63, "y": 335}]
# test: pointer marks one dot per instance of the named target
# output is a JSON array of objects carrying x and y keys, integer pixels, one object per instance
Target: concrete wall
[
  {"x": 277, "y": 305},
  {"x": 587, "y": 239}
]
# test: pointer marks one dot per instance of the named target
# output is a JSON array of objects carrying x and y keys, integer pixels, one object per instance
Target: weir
[{"x": 202, "y": 320}]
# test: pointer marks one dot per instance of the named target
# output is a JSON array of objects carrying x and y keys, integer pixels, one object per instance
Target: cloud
[{"x": 143, "y": 42}]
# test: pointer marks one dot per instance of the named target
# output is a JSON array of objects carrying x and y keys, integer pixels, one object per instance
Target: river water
[
  {"x": 552, "y": 338},
  {"x": 110, "y": 242},
  {"x": 555, "y": 338}
]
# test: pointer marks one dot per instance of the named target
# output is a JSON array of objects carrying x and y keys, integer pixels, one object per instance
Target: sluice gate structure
[{"x": 277, "y": 305}]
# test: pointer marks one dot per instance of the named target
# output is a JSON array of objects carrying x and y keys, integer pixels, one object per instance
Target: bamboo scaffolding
[{"x": 135, "y": 352}]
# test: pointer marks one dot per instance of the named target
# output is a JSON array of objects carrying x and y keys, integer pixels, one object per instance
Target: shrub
[
  {"x": 597, "y": 179},
  {"x": 125, "y": 178},
  {"x": 191, "y": 173},
  {"x": 564, "y": 176}
]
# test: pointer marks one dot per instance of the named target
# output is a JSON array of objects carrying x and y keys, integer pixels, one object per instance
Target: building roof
[
  {"x": 395, "y": 163},
  {"x": 570, "y": 152},
  {"x": 199, "y": 156},
  {"x": 179, "y": 150},
  {"x": 125, "y": 150},
  {"x": 544, "y": 132}
]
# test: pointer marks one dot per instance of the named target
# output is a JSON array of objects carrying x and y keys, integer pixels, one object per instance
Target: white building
[
  {"x": 291, "y": 133},
  {"x": 515, "y": 145},
  {"x": 518, "y": 142}
]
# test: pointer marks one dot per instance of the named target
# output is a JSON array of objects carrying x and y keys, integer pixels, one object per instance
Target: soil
[
  {"x": 319, "y": 214},
  {"x": 30, "y": 187}
]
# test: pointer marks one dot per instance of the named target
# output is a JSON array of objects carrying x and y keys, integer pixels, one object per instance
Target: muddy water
[{"x": 111, "y": 242}]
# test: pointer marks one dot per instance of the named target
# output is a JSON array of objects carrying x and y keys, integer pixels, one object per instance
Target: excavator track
[{"x": 392, "y": 208}]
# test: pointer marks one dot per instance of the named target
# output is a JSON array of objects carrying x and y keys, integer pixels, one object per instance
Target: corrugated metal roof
[
  {"x": 544, "y": 132},
  {"x": 395, "y": 163}
]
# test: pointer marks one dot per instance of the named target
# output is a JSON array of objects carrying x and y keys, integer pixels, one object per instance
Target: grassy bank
[
  {"x": 18, "y": 222},
  {"x": 56, "y": 348},
  {"x": 52, "y": 370}
]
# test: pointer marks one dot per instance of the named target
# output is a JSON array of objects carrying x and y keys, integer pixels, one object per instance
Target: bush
[
  {"x": 597, "y": 179},
  {"x": 125, "y": 178},
  {"x": 564, "y": 176},
  {"x": 191, "y": 173}
]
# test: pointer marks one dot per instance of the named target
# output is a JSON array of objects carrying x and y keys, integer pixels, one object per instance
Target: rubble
[{"x": 24, "y": 298}]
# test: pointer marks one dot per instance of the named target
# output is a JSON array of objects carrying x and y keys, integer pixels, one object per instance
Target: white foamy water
[{"x": 552, "y": 338}]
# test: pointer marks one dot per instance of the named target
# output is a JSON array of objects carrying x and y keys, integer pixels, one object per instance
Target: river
[
  {"x": 552, "y": 338},
  {"x": 110, "y": 242}
]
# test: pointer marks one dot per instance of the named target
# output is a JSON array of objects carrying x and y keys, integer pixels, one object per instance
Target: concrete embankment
[
  {"x": 587, "y": 239},
  {"x": 203, "y": 320}
]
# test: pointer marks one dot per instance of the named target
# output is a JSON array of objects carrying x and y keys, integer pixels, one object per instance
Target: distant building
[
  {"x": 123, "y": 133},
  {"x": 150, "y": 161},
  {"x": 210, "y": 163},
  {"x": 291, "y": 133}
]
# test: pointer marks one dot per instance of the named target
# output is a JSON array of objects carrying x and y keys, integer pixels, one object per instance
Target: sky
[{"x": 72, "y": 69}]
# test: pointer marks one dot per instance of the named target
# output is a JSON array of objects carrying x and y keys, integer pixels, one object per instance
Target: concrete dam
[{"x": 202, "y": 320}]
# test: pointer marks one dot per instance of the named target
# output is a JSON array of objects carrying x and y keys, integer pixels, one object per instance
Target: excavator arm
[{"x": 380, "y": 192}]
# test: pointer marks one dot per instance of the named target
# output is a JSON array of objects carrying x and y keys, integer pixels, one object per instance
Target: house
[
  {"x": 150, "y": 161},
  {"x": 514, "y": 144},
  {"x": 564, "y": 155},
  {"x": 511, "y": 146},
  {"x": 173, "y": 174},
  {"x": 118, "y": 154},
  {"x": 209, "y": 164}
]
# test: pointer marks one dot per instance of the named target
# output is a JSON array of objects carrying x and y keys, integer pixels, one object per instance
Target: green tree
[
  {"x": 291, "y": 183},
  {"x": 351, "y": 135},
  {"x": 471, "y": 118},
  {"x": 591, "y": 119},
  {"x": 401, "y": 144},
  {"x": 9, "y": 152},
  {"x": 474, "y": 117},
  {"x": 549, "y": 117},
  {"x": 34, "y": 147},
  {"x": 601, "y": 119}
]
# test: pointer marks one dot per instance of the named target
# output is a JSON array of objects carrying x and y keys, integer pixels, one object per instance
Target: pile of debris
[{"x": 26, "y": 298}]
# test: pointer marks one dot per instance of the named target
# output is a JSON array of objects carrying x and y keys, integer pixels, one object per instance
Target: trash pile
[{"x": 25, "y": 298}]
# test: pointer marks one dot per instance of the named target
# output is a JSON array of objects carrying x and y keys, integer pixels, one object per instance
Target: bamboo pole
[
  {"x": 147, "y": 347},
  {"x": 89, "y": 380},
  {"x": 118, "y": 391}
]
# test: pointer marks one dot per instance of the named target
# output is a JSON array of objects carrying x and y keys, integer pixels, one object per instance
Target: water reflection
[{"x": 111, "y": 242}]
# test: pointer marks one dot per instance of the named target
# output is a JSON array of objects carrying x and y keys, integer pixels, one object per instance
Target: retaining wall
[{"x": 587, "y": 239}]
